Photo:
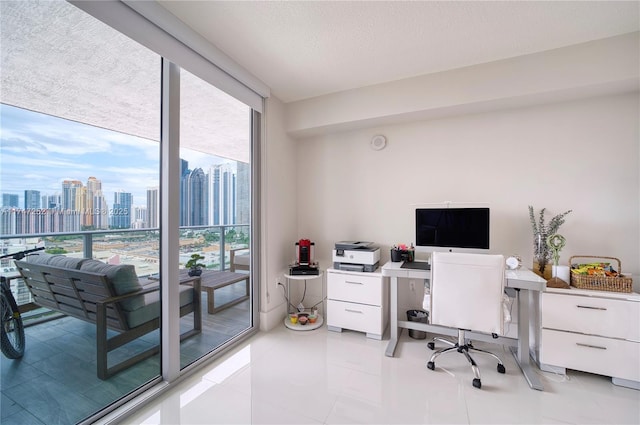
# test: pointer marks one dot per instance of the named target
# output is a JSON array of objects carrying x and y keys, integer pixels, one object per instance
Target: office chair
[{"x": 466, "y": 293}]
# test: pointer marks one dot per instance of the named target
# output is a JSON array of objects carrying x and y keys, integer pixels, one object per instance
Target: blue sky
[{"x": 39, "y": 151}]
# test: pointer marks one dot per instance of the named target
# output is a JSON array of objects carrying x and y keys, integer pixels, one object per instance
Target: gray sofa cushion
[
  {"x": 151, "y": 309},
  {"x": 66, "y": 262},
  {"x": 123, "y": 278},
  {"x": 40, "y": 258}
]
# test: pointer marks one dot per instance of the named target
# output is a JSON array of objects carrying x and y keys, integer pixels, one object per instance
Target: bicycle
[{"x": 12, "y": 341}]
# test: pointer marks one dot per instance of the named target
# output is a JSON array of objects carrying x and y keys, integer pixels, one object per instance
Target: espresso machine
[{"x": 305, "y": 263}]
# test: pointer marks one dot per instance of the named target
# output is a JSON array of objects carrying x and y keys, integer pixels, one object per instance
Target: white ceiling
[{"x": 303, "y": 49}]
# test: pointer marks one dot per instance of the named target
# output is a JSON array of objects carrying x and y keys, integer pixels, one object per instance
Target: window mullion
[{"x": 170, "y": 219}]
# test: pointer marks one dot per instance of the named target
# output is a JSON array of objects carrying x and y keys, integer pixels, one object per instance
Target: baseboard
[{"x": 271, "y": 319}]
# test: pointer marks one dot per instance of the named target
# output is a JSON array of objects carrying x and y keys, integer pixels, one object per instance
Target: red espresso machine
[{"x": 305, "y": 263}]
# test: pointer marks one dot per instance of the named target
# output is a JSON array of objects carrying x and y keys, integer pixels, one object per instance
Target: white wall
[
  {"x": 279, "y": 213},
  {"x": 599, "y": 67},
  {"x": 582, "y": 155}
]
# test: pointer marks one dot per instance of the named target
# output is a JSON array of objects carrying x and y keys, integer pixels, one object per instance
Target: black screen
[{"x": 453, "y": 227}]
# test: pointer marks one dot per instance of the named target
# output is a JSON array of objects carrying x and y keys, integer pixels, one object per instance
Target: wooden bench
[{"x": 92, "y": 297}]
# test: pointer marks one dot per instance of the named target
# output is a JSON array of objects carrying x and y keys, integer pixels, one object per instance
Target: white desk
[{"x": 522, "y": 280}]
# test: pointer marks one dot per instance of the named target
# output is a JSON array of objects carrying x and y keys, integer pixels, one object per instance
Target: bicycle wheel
[{"x": 12, "y": 331}]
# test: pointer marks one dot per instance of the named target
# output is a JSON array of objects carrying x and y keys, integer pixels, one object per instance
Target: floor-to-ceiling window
[
  {"x": 215, "y": 160},
  {"x": 80, "y": 153},
  {"x": 79, "y": 148}
]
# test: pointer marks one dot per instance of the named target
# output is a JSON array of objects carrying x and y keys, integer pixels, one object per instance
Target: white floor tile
[{"x": 323, "y": 377}]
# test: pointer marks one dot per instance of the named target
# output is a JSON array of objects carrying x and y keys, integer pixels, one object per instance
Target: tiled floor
[
  {"x": 56, "y": 381},
  {"x": 322, "y": 377}
]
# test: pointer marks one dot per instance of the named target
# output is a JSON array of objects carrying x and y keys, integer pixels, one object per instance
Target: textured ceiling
[
  {"x": 56, "y": 59},
  {"x": 303, "y": 49}
]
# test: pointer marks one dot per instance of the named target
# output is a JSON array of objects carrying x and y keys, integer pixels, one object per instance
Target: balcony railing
[{"x": 140, "y": 247}]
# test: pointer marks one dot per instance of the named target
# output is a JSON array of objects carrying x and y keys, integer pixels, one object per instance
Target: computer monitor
[{"x": 452, "y": 229}]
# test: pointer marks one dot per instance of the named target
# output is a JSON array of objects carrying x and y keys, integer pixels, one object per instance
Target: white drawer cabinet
[
  {"x": 591, "y": 331},
  {"x": 358, "y": 301}
]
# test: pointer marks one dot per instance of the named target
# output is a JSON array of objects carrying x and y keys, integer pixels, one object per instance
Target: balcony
[{"x": 56, "y": 380}]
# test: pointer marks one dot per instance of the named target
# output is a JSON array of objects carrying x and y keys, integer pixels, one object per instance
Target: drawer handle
[
  {"x": 591, "y": 308},
  {"x": 353, "y": 311},
  {"x": 354, "y": 283},
  {"x": 591, "y": 346}
]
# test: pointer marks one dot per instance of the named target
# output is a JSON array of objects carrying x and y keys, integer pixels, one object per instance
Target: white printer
[{"x": 356, "y": 256}]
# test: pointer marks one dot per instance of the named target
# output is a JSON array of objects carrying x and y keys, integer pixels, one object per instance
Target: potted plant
[{"x": 195, "y": 268}]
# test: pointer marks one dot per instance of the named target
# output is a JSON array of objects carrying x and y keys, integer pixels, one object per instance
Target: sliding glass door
[
  {"x": 215, "y": 210},
  {"x": 81, "y": 155}
]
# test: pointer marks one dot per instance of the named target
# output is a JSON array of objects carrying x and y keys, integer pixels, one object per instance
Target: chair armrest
[
  {"x": 232, "y": 258},
  {"x": 233, "y": 251}
]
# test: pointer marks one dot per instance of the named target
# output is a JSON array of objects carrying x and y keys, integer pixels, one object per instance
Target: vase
[
  {"x": 561, "y": 272},
  {"x": 541, "y": 256},
  {"x": 195, "y": 272}
]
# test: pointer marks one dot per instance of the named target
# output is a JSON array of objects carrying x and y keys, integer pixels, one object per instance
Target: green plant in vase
[
  {"x": 541, "y": 231},
  {"x": 195, "y": 268}
]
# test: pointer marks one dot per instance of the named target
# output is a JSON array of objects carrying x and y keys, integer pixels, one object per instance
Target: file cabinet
[
  {"x": 357, "y": 301},
  {"x": 591, "y": 331}
]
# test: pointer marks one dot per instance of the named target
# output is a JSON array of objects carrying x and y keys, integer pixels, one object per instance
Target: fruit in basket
[{"x": 594, "y": 269}]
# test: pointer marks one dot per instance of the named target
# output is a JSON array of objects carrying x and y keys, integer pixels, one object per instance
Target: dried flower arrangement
[{"x": 541, "y": 231}]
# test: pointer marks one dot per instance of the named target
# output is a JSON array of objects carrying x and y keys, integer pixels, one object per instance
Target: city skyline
[{"x": 40, "y": 151}]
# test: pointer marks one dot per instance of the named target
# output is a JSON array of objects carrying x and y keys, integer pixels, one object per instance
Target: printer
[{"x": 356, "y": 256}]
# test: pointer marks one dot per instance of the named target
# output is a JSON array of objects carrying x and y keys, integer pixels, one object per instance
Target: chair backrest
[{"x": 466, "y": 291}]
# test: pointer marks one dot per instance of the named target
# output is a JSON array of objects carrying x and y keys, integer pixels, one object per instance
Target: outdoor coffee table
[{"x": 210, "y": 280}]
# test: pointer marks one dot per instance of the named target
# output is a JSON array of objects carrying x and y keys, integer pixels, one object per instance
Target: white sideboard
[
  {"x": 591, "y": 331},
  {"x": 358, "y": 301}
]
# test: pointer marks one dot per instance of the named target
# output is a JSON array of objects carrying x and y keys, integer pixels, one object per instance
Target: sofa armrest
[{"x": 119, "y": 298}]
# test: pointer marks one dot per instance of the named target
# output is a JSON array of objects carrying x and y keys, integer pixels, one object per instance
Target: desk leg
[
  {"x": 521, "y": 353},
  {"x": 393, "y": 320}
]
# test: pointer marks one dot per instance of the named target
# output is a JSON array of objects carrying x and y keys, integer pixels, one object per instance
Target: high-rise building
[
  {"x": 121, "y": 211},
  {"x": 213, "y": 177},
  {"x": 153, "y": 208},
  {"x": 184, "y": 175},
  {"x": 184, "y": 167},
  {"x": 85, "y": 202},
  {"x": 139, "y": 217},
  {"x": 194, "y": 199},
  {"x": 8, "y": 222},
  {"x": 31, "y": 199},
  {"x": 100, "y": 212},
  {"x": 83, "y": 206},
  {"x": 69, "y": 188},
  {"x": 227, "y": 198},
  {"x": 243, "y": 193},
  {"x": 19, "y": 221},
  {"x": 222, "y": 192},
  {"x": 10, "y": 201},
  {"x": 51, "y": 201}
]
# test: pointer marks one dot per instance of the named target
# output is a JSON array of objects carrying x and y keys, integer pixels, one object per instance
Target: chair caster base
[
  {"x": 431, "y": 365},
  {"x": 477, "y": 383},
  {"x": 501, "y": 368}
]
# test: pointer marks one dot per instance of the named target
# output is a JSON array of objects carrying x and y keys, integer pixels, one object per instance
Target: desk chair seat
[{"x": 466, "y": 293}]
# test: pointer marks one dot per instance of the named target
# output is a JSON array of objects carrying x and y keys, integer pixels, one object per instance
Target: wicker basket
[{"x": 618, "y": 283}]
